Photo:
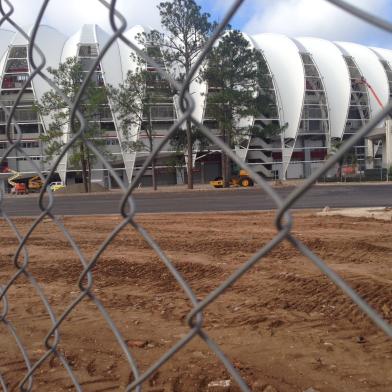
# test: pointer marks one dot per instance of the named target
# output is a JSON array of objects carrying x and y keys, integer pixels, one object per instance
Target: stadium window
[
  {"x": 36, "y": 158},
  {"x": 211, "y": 124},
  {"x": 18, "y": 52},
  {"x": 29, "y": 144},
  {"x": 88, "y": 51},
  {"x": 108, "y": 126},
  {"x": 17, "y": 65},
  {"x": 29, "y": 128}
]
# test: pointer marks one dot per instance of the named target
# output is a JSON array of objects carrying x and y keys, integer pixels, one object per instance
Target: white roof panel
[
  {"x": 372, "y": 70},
  {"x": 285, "y": 63},
  {"x": 336, "y": 79}
]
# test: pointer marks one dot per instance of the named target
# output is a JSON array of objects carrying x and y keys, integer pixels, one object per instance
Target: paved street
[{"x": 208, "y": 200}]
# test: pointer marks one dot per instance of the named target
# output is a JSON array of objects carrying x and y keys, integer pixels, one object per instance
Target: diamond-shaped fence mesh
[{"x": 128, "y": 211}]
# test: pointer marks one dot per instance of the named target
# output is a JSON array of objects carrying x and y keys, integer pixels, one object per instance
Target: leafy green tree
[
  {"x": 179, "y": 143},
  {"x": 134, "y": 102},
  {"x": 69, "y": 78},
  {"x": 187, "y": 29},
  {"x": 237, "y": 75},
  {"x": 179, "y": 140}
]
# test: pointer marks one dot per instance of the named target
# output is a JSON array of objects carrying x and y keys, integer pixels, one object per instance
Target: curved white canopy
[
  {"x": 285, "y": 63},
  {"x": 386, "y": 55},
  {"x": 372, "y": 70},
  {"x": 336, "y": 79}
]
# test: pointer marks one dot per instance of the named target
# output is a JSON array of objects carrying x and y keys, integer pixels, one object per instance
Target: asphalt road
[{"x": 199, "y": 201}]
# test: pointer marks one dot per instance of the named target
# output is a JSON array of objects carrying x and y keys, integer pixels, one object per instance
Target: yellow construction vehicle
[
  {"x": 17, "y": 187},
  {"x": 242, "y": 179},
  {"x": 32, "y": 184},
  {"x": 35, "y": 183}
]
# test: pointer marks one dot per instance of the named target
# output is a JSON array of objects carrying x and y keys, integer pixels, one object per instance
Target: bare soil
[{"x": 284, "y": 325}]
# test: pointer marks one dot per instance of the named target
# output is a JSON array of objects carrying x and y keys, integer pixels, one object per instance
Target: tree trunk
[
  {"x": 190, "y": 155},
  {"x": 341, "y": 163},
  {"x": 84, "y": 169},
  {"x": 225, "y": 164},
  {"x": 188, "y": 66},
  {"x": 88, "y": 171},
  {"x": 154, "y": 180},
  {"x": 228, "y": 170},
  {"x": 151, "y": 141}
]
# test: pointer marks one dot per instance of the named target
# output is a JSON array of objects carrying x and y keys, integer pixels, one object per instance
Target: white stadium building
[{"x": 324, "y": 92}]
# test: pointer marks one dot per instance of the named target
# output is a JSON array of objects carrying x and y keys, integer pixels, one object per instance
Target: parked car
[{"x": 56, "y": 186}]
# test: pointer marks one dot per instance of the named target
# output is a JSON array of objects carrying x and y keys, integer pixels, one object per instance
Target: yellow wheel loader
[
  {"x": 242, "y": 179},
  {"x": 35, "y": 183}
]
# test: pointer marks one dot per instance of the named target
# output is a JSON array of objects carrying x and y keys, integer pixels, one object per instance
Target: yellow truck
[{"x": 23, "y": 185}]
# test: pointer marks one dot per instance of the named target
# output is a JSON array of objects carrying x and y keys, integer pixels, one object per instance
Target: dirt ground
[{"x": 283, "y": 325}]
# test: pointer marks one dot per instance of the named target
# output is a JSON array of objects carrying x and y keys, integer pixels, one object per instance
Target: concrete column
[
  {"x": 180, "y": 175},
  {"x": 388, "y": 145},
  {"x": 193, "y": 159},
  {"x": 369, "y": 153},
  {"x": 202, "y": 174},
  {"x": 2, "y": 185},
  {"x": 307, "y": 165},
  {"x": 4, "y": 181},
  {"x": 283, "y": 166},
  {"x": 62, "y": 169}
]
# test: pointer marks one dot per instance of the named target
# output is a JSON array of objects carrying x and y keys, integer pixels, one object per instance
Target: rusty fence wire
[{"x": 128, "y": 211}]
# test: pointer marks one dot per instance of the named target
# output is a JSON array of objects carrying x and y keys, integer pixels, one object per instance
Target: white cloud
[
  {"x": 316, "y": 18},
  {"x": 292, "y": 17},
  {"x": 68, "y": 16}
]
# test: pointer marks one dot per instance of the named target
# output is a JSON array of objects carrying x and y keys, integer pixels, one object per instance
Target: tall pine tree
[
  {"x": 69, "y": 78},
  {"x": 186, "y": 31},
  {"x": 237, "y": 73}
]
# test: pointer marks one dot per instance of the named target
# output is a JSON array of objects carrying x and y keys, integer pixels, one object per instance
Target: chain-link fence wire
[{"x": 128, "y": 211}]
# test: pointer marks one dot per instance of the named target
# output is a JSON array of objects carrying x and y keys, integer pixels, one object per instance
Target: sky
[{"x": 291, "y": 17}]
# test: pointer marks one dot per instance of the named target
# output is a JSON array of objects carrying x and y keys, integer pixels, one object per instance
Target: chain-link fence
[{"x": 127, "y": 211}]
